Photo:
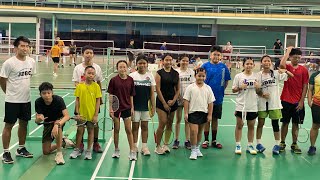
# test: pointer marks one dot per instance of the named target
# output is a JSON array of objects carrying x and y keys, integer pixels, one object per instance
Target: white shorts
[{"x": 141, "y": 116}]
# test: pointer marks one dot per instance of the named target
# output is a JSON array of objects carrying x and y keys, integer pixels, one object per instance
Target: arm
[
  {"x": 99, "y": 83},
  {"x": 226, "y": 84},
  {"x": 310, "y": 94},
  {"x": 177, "y": 88},
  {"x": 304, "y": 93},
  {"x": 77, "y": 105},
  {"x": 132, "y": 106},
  {"x": 39, "y": 118},
  {"x": 274, "y": 47},
  {"x": 210, "y": 110},
  {"x": 285, "y": 71},
  {"x": 283, "y": 62},
  {"x": 3, "y": 84},
  {"x": 152, "y": 100},
  {"x": 158, "y": 89},
  {"x": 186, "y": 109},
  {"x": 96, "y": 113}
]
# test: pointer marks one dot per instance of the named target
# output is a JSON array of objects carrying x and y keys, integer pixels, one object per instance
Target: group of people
[{"x": 198, "y": 94}]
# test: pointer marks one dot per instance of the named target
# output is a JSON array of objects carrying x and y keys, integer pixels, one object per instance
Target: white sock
[
  {"x": 21, "y": 146},
  {"x": 249, "y": 143},
  {"x": 238, "y": 143},
  {"x": 258, "y": 141},
  {"x": 277, "y": 142},
  {"x": 144, "y": 145},
  {"x": 5, "y": 150},
  {"x": 193, "y": 147}
]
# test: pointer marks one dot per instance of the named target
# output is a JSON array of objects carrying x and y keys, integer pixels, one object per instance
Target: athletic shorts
[
  {"x": 315, "y": 110},
  {"x": 46, "y": 135},
  {"x": 197, "y": 117},
  {"x": 123, "y": 114},
  {"x": 217, "y": 111},
  {"x": 289, "y": 111},
  {"x": 249, "y": 115},
  {"x": 14, "y": 111},
  {"x": 141, "y": 116},
  {"x": 56, "y": 59},
  {"x": 160, "y": 105},
  {"x": 273, "y": 114}
]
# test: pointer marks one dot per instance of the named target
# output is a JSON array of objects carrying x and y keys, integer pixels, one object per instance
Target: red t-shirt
[
  {"x": 292, "y": 89},
  {"x": 123, "y": 89}
]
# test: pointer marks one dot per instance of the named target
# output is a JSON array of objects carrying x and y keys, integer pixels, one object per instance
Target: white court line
[
  {"x": 94, "y": 175},
  {"x": 33, "y": 130},
  {"x": 306, "y": 160},
  {"x": 233, "y": 101},
  {"x": 133, "y": 163}
]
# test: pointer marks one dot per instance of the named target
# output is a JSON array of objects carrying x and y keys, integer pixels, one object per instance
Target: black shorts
[
  {"x": 14, "y": 111},
  {"x": 46, "y": 134},
  {"x": 217, "y": 111},
  {"x": 160, "y": 105},
  {"x": 249, "y": 116},
  {"x": 315, "y": 110},
  {"x": 72, "y": 52},
  {"x": 56, "y": 59},
  {"x": 123, "y": 114},
  {"x": 289, "y": 111},
  {"x": 197, "y": 117}
]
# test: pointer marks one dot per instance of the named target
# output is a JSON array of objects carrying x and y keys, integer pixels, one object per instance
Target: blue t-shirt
[{"x": 217, "y": 75}]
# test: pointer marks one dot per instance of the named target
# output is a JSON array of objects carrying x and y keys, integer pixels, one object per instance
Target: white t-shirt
[
  {"x": 18, "y": 74},
  {"x": 199, "y": 97},
  {"x": 270, "y": 84},
  {"x": 186, "y": 78},
  {"x": 247, "y": 100},
  {"x": 78, "y": 73}
]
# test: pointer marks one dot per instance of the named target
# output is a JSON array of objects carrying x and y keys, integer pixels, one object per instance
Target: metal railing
[{"x": 313, "y": 9}]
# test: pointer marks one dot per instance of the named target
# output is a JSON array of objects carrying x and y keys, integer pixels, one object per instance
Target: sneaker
[
  {"x": 276, "y": 150},
  {"x": 133, "y": 156},
  {"x": 193, "y": 155},
  {"x": 97, "y": 147},
  {"x": 282, "y": 146},
  {"x": 75, "y": 153},
  {"x": 6, "y": 158},
  {"x": 205, "y": 144},
  {"x": 175, "y": 144},
  {"x": 59, "y": 158},
  {"x": 166, "y": 148},
  {"x": 55, "y": 74},
  {"x": 23, "y": 152},
  {"x": 216, "y": 144},
  {"x": 251, "y": 150},
  {"x": 145, "y": 151},
  {"x": 187, "y": 144},
  {"x": 135, "y": 149},
  {"x": 260, "y": 148},
  {"x": 81, "y": 147},
  {"x": 88, "y": 155},
  {"x": 67, "y": 143},
  {"x": 295, "y": 149},
  {"x": 159, "y": 150},
  {"x": 116, "y": 153},
  {"x": 312, "y": 150},
  {"x": 199, "y": 154},
  {"x": 238, "y": 149}
]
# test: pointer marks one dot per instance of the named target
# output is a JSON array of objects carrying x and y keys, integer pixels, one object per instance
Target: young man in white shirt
[{"x": 15, "y": 78}]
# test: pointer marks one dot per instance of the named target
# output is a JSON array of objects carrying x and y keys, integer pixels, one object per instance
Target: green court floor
[{"x": 216, "y": 164}]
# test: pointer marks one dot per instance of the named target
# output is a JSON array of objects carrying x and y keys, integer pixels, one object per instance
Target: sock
[
  {"x": 95, "y": 140},
  {"x": 135, "y": 144},
  {"x": 214, "y": 135},
  {"x": 206, "y": 135},
  {"x": 193, "y": 147},
  {"x": 167, "y": 135},
  {"x": 5, "y": 150},
  {"x": 249, "y": 143},
  {"x": 277, "y": 142},
  {"x": 144, "y": 145},
  {"x": 238, "y": 143},
  {"x": 21, "y": 146},
  {"x": 258, "y": 141}
]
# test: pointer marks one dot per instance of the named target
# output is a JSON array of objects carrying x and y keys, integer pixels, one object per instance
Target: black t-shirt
[
  {"x": 277, "y": 45},
  {"x": 168, "y": 82},
  {"x": 52, "y": 111}
]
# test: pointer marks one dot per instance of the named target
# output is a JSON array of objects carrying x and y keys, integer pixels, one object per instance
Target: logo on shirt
[{"x": 25, "y": 72}]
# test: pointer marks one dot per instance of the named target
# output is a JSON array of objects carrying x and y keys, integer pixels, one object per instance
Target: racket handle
[{"x": 155, "y": 137}]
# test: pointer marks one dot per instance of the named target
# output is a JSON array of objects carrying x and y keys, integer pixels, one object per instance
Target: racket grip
[{"x": 155, "y": 137}]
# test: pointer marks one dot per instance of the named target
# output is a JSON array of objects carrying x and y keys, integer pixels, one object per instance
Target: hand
[
  {"x": 243, "y": 85},
  {"x": 209, "y": 118},
  {"x": 257, "y": 85},
  {"x": 95, "y": 119},
  {"x": 167, "y": 107},
  {"x": 41, "y": 118},
  {"x": 55, "y": 131},
  {"x": 171, "y": 102},
  {"x": 282, "y": 70},
  {"x": 152, "y": 111},
  {"x": 111, "y": 114},
  {"x": 310, "y": 103},
  {"x": 289, "y": 49},
  {"x": 300, "y": 106},
  {"x": 132, "y": 114},
  {"x": 77, "y": 117},
  {"x": 266, "y": 95},
  {"x": 186, "y": 117}
]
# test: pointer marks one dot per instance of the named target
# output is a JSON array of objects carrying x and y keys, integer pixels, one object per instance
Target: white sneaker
[
  {"x": 166, "y": 148},
  {"x": 133, "y": 156},
  {"x": 145, "y": 151},
  {"x": 238, "y": 149},
  {"x": 55, "y": 74},
  {"x": 59, "y": 158},
  {"x": 88, "y": 155},
  {"x": 193, "y": 155},
  {"x": 199, "y": 154},
  {"x": 116, "y": 153},
  {"x": 75, "y": 153},
  {"x": 68, "y": 143},
  {"x": 159, "y": 150},
  {"x": 251, "y": 150}
]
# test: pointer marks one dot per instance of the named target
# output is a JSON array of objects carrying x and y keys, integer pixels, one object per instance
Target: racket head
[
  {"x": 303, "y": 135},
  {"x": 114, "y": 103},
  {"x": 80, "y": 121}
]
